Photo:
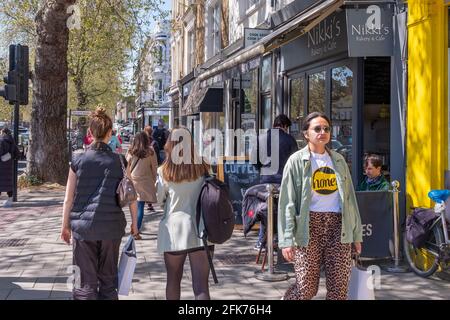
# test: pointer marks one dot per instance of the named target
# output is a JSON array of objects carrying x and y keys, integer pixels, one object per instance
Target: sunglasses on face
[{"x": 319, "y": 129}]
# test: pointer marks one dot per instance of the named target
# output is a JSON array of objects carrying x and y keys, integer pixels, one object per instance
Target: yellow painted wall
[{"x": 426, "y": 140}]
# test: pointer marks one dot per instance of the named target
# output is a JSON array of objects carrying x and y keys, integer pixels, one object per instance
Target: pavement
[{"x": 34, "y": 262}]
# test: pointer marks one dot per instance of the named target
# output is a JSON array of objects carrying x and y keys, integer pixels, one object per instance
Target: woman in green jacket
[{"x": 318, "y": 217}]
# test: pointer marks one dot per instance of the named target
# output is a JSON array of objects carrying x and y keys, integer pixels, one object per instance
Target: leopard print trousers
[{"x": 324, "y": 248}]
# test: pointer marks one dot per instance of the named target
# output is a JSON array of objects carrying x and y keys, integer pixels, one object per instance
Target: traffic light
[
  {"x": 9, "y": 90},
  {"x": 16, "y": 82},
  {"x": 23, "y": 73}
]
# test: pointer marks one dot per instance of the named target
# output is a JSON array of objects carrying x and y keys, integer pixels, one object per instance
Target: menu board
[{"x": 239, "y": 174}]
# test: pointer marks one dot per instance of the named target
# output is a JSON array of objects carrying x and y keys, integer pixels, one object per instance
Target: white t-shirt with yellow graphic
[{"x": 325, "y": 194}]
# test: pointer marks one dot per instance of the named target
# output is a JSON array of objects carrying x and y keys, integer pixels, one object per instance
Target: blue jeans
[
  {"x": 140, "y": 215},
  {"x": 262, "y": 231}
]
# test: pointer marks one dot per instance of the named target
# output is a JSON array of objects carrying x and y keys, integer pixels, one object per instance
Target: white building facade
[{"x": 154, "y": 78}]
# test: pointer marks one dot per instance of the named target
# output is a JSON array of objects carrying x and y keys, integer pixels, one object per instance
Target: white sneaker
[{"x": 7, "y": 203}]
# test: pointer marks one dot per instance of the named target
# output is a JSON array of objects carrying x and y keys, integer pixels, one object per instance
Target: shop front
[
  {"x": 249, "y": 103},
  {"x": 203, "y": 112},
  {"x": 355, "y": 92},
  {"x": 343, "y": 59}
]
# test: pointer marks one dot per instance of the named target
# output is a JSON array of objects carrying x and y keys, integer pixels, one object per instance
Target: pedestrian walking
[
  {"x": 271, "y": 169},
  {"x": 178, "y": 188},
  {"x": 114, "y": 143},
  {"x": 143, "y": 166},
  {"x": 318, "y": 218},
  {"x": 92, "y": 216},
  {"x": 160, "y": 135},
  {"x": 8, "y": 153},
  {"x": 88, "y": 139},
  {"x": 149, "y": 131}
]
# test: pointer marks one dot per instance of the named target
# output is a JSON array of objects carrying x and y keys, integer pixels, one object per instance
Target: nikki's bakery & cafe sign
[{"x": 370, "y": 30}]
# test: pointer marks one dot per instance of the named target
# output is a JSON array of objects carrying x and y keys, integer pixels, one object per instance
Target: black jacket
[
  {"x": 286, "y": 147},
  {"x": 160, "y": 136},
  {"x": 96, "y": 214},
  {"x": 6, "y": 168}
]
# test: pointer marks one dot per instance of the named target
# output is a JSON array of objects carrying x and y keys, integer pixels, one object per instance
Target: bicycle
[{"x": 435, "y": 253}]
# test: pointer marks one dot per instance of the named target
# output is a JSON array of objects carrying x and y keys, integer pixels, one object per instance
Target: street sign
[
  {"x": 370, "y": 30},
  {"x": 80, "y": 112},
  {"x": 251, "y": 36}
]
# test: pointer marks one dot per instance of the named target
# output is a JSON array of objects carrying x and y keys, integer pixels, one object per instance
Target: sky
[{"x": 128, "y": 74}]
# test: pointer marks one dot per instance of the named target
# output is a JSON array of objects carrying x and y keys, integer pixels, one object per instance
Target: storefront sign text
[
  {"x": 369, "y": 31},
  {"x": 326, "y": 39},
  {"x": 322, "y": 38},
  {"x": 251, "y": 36}
]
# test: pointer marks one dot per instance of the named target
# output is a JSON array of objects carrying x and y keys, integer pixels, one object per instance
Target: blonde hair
[
  {"x": 100, "y": 123},
  {"x": 191, "y": 171}
]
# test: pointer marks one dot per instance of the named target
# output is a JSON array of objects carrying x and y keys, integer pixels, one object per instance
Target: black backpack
[
  {"x": 214, "y": 206},
  {"x": 418, "y": 225}
]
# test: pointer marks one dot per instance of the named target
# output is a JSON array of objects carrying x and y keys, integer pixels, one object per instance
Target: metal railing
[{"x": 271, "y": 274}]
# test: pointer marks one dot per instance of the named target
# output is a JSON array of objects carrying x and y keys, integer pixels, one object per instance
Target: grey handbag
[{"x": 126, "y": 193}]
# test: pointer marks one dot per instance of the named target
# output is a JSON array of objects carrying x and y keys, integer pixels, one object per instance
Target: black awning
[
  {"x": 203, "y": 100},
  {"x": 212, "y": 101}
]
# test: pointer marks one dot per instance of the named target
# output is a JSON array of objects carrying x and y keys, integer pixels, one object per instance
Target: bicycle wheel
[{"x": 423, "y": 260}]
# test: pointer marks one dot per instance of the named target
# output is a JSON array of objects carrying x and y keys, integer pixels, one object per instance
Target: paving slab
[{"x": 38, "y": 268}]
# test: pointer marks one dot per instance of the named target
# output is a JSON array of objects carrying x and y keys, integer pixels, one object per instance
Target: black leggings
[
  {"x": 9, "y": 193},
  {"x": 199, "y": 269}
]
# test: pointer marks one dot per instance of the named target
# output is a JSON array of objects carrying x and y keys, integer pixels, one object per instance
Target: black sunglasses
[{"x": 319, "y": 129}]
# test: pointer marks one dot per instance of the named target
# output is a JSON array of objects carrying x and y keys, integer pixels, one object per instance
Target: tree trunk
[{"x": 49, "y": 158}]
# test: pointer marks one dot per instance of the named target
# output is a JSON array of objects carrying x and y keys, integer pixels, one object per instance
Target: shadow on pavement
[{"x": 32, "y": 288}]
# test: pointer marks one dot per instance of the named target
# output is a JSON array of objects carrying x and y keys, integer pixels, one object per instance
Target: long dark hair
[
  {"x": 313, "y": 115},
  {"x": 141, "y": 146}
]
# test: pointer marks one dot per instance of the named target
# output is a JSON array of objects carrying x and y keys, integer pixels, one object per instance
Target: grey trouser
[{"x": 98, "y": 262}]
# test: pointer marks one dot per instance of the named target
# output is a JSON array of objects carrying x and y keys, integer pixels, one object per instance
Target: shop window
[
  {"x": 266, "y": 112},
  {"x": 248, "y": 112},
  {"x": 376, "y": 109},
  {"x": 341, "y": 111},
  {"x": 266, "y": 74},
  {"x": 213, "y": 120},
  {"x": 297, "y": 107},
  {"x": 316, "y": 101},
  {"x": 193, "y": 125},
  {"x": 250, "y": 90}
]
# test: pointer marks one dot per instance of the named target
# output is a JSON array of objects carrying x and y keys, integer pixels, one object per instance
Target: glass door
[
  {"x": 316, "y": 91},
  {"x": 328, "y": 89},
  {"x": 341, "y": 111},
  {"x": 297, "y": 112}
]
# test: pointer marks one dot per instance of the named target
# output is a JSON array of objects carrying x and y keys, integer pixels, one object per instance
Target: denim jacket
[{"x": 295, "y": 199}]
